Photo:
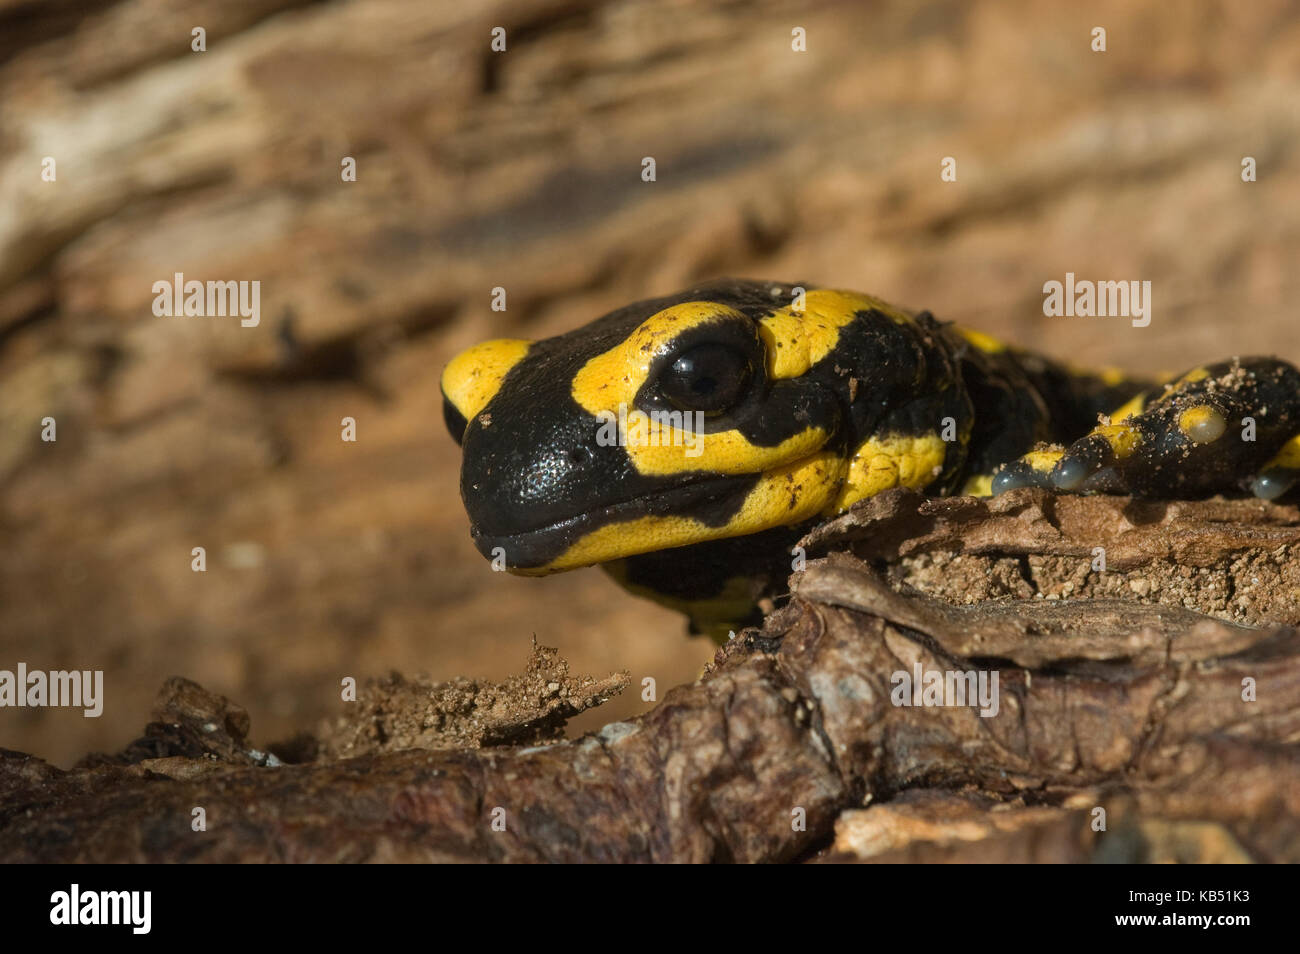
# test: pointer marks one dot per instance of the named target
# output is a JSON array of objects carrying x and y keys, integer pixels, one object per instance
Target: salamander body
[{"x": 685, "y": 443}]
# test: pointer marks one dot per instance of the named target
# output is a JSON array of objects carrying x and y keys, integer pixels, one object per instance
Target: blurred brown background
[{"x": 522, "y": 169}]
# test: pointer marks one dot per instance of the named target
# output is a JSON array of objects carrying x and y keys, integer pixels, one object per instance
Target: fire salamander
[{"x": 685, "y": 443}]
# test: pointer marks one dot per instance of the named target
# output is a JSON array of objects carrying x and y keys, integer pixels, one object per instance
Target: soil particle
[
  {"x": 1257, "y": 587},
  {"x": 400, "y": 712}
]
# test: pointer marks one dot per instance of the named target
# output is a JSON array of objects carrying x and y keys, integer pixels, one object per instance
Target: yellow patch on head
[
  {"x": 785, "y": 496},
  {"x": 473, "y": 377},
  {"x": 610, "y": 382},
  {"x": 795, "y": 341},
  {"x": 981, "y": 485},
  {"x": 658, "y": 451},
  {"x": 613, "y": 378},
  {"x": 892, "y": 461}
]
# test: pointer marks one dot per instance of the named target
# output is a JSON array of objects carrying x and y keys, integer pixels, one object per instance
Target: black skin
[
  {"x": 534, "y": 463},
  {"x": 699, "y": 572},
  {"x": 1169, "y": 464}
]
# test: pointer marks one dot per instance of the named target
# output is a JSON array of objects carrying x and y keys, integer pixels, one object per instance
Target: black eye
[{"x": 708, "y": 377}]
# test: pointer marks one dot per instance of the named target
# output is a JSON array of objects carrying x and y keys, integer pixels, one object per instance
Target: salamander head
[{"x": 718, "y": 412}]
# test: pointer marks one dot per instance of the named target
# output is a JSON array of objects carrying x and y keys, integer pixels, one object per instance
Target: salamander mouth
[{"x": 710, "y": 500}]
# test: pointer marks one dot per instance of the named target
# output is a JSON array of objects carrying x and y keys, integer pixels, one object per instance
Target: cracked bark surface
[{"x": 1130, "y": 707}]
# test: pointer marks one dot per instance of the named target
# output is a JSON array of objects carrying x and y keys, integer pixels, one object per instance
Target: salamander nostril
[{"x": 579, "y": 456}]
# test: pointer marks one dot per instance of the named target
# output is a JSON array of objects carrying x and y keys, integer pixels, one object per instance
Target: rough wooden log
[{"x": 1120, "y": 730}]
